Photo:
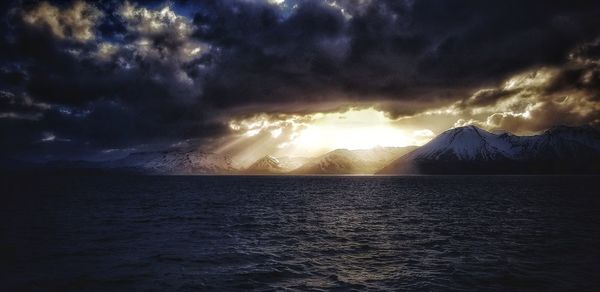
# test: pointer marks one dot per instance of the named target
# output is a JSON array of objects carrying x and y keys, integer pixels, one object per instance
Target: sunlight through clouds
[{"x": 315, "y": 134}]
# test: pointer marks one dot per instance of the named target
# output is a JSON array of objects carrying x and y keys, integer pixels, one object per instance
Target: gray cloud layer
[{"x": 112, "y": 75}]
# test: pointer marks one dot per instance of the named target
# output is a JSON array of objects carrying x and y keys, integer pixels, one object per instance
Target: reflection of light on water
[
  {"x": 300, "y": 233},
  {"x": 350, "y": 242}
]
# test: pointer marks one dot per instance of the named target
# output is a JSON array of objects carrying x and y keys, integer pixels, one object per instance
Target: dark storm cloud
[
  {"x": 109, "y": 75},
  {"x": 582, "y": 73},
  {"x": 485, "y": 97},
  {"x": 485, "y": 40},
  {"x": 264, "y": 58},
  {"x": 99, "y": 93},
  {"x": 387, "y": 49},
  {"x": 537, "y": 99}
]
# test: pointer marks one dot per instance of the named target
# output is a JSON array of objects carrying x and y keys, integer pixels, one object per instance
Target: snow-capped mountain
[
  {"x": 176, "y": 161},
  {"x": 562, "y": 143},
  {"x": 290, "y": 163},
  {"x": 343, "y": 161},
  {"x": 585, "y": 135},
  {"x": 334, "y": 162},
  {"x": 466, "y": 143},
  {"x": 273, "y": 165},
  {"x": 265, "y": 165},
  {"x": 464, "y": 150},
  {"x": 472, "y": 150}
]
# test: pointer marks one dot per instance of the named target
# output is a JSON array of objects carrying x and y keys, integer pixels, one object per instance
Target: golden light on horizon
[
  {"x": 354, "y": 129},
  {"x": 315, "y": 134}
]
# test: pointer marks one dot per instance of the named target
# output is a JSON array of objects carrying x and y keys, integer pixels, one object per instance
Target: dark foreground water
[{"x": 106, "y": 233}]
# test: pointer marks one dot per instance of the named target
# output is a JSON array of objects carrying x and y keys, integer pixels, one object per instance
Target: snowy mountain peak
[
  {"x": 270, "y": 160},
  {"x": 561, "y": 129},
  {"x": 344, "y": 161},
  {"x": 472, "y": 150},
  {"x": 176, "y": 161},
  {"x": 266, "y": 164},
  {"x": 341, "y": 152},
  {"x": 464, "y": 143},
  {"x": 585, "y": 135}
]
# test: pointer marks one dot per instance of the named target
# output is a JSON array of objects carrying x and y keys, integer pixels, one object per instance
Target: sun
[
  {"x": 354, "y": 129},
  {"x": 315, "y": 134}
]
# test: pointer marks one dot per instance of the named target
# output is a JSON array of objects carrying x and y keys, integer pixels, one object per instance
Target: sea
[{"x": 299, "y": 233}]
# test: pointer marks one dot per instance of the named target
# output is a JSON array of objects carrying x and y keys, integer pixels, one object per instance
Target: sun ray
[{"x": 315, "y": 134}]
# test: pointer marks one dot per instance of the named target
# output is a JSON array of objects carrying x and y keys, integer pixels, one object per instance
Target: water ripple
[{"x": 301, "y": 233}]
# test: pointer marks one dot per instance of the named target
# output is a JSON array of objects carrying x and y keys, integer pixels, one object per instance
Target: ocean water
[{"x": 197, "y": 233}]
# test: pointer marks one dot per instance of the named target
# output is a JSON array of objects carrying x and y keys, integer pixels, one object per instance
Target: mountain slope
[
  {"x": 466, "y": 143},
  {"x": 265, "y": 165},
  {"x": 335, "y": 162},
  {"x": 473, "y": 150},
  {"x": 175, "y": 162},
  {"x": 343, "y": 161},
  {"x": 290, "y": 163},
  {"x": 275, "y": 165}
]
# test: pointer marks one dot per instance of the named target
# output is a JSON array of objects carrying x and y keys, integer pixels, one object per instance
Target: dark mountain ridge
[{"x": 471, "y": 150}]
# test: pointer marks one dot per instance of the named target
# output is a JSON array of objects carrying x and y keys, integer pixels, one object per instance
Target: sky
[{"x": 100, "y": 79}]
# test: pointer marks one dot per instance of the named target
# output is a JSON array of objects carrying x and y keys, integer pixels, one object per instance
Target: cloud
[
  {"x": 154, "y": 22},
  {"x": 13, "y": 106},
  {"x": 161, "y": 33},
  {"x": 109, "y": 75},
  {"x": 309, "y": 135},
  {"x": 143, "y": 86},
  {"x": 537, "y": 99},
  {"x": 160, "y": 40},
  {"x": 394, "y": 52},
  {"x": 105, "y": 51},
  {"x": 76, "y": 22}
]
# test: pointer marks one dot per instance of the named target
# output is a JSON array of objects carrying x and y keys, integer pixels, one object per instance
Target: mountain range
[
  {"x": 175, "y": 162},
  {"x": 471, "y": 150},
  {"x": 462, "y": 150},
  {"x": 343, "y": 161},
  {"x": 339, "y": 161},
  {"x": 273, "y": 165}
]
